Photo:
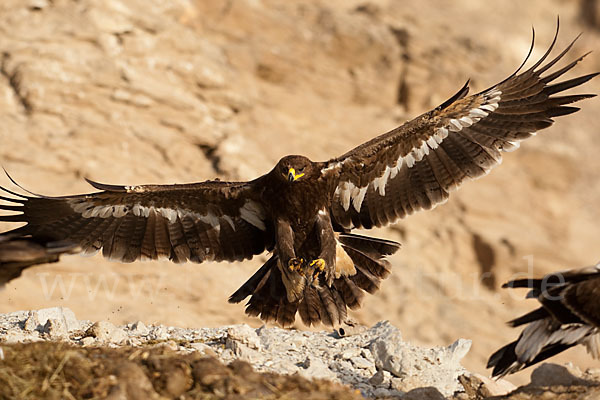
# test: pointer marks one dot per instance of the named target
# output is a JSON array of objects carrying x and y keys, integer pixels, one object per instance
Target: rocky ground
[
  {"x": 132, "y": 91},
  {"x": 49, "y": 353}
]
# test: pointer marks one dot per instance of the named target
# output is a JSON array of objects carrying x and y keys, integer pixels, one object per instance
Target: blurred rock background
[{"x": 156, "y": 91}]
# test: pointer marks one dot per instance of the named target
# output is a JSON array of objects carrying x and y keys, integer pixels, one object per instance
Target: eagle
[
  {"x": 569, "y": 315},
  {"x": 303, "y": 212}
]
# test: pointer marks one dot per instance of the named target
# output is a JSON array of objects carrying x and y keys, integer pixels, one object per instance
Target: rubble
[{"x": 374, "y": 360}]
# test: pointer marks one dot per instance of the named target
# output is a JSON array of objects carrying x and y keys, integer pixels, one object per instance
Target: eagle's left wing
[{"x": 415, "y": 166}]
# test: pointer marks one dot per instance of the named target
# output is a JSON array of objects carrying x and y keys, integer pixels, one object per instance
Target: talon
[
  {"x": 319, "y": 264},
  {"x": 295, "y": 264}
]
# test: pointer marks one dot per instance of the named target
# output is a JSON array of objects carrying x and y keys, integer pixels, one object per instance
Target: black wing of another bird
[{"x": 569, "y": 315}]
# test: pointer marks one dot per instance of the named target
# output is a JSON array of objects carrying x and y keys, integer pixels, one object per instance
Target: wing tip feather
[{"x": 105, "y": 187}]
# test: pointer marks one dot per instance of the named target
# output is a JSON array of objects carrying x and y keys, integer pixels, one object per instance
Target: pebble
[
  {"x": 159, "y": 333},
  {"x": 63, "y": 314},
  {"x": 31, "y": 323},
  {"x": 377, "y": 379},
  {"x": 140, "y": 329},
  {"x": 245, "y": 335},
  {"x": 56, "y": 329},
  {"x": 360, "y": 362},
  {"x": 104, "y": 331}
]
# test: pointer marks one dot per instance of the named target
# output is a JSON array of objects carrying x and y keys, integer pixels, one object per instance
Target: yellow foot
[
  {"x": 319, "y": 266},
  {"x": 295, "y": 264}
]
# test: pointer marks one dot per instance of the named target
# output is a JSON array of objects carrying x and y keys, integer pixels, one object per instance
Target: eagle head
[{"x": 293, "y": 168}]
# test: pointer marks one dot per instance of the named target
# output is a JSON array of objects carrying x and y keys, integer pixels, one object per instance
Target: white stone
[
  {"x": 60, "y": 313},
  {"x": 496, "y": 387},
  {"x": 104, "y": 331},
  {"x": 32, "y": 323},
  {"x": 314, "y": 367},
  {"x": 140, "y": 329},
  {"x": 361, "y": 363},
  {"x": 88, "y": 341},
  {"x": 350, "y": 353},
  {"x": 245, "y": 335},
  {"x": 159, "y": 333},
  {"x": 56, "y": 329},
  {"x": 414, "y": 366}
]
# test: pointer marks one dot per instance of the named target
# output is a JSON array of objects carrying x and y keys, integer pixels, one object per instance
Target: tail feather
[
  {"x": 286, "y": 313},
  {"x": 371, "y": 246},
  {"x": 351, "y": 294},
  {"x": 333, "y": 312},
  {"x": 252, "y": 284},
  {"x": 375, "y": 266},
  {"x": 365, "y": 280},
  {"x": 319, "y": 303},
  {"x": 310, "y": 307}
]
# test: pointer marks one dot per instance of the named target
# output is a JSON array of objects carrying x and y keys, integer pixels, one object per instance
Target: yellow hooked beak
[{"x": 292, "y": 176}]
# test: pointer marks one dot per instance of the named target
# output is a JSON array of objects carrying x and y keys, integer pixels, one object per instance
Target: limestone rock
[
  {"x": 549, "y": 374},
  {"x": 139, "y": 328},
  {"x": 106, "y": 332},
  {"x": 245, "y": 335},
  {"x": 425, "y": 393},
  {"x": 314, "y": 367},
  {"x": 404, "y": 371},
  {"x": 415, "y": 367},
  {"x": 159, "y": 333},
  {"x": 56, "y": 329},
  {"x": 32, "y": 322},
  {"x": 62, "y": 314}
]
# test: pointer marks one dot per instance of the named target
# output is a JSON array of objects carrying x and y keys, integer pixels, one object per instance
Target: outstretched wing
[
  {"x": 18, "y": 254},
  {"x": 197, "y": 222},
  {"x": 415, "y": 166},
  {"x": 570, "y": 315}
]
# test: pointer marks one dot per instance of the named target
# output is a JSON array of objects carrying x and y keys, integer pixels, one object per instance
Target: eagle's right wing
[
  {"x": 416, "y": 166},
  {"x": 211, "y": 220}
]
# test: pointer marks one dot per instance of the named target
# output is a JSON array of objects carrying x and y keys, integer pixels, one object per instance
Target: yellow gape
[{"x": 292, "y": 176}]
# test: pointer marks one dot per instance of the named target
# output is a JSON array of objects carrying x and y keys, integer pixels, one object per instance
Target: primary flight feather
[{"x": 569, "y": 315}]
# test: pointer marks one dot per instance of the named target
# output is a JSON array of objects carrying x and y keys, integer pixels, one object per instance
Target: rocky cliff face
[{"x": 132, "y": 91}]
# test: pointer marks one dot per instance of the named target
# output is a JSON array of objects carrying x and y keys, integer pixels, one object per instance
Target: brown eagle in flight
[
  {"x": 303, "y": 211},
  {"x": 570, "y": 315}
]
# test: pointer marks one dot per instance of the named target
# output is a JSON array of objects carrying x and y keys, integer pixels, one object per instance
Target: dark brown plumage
[
  {"x": 18, "y": 254},
  {"x": 303, "y": 211},
  {"x": 570, "y": 315}
]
